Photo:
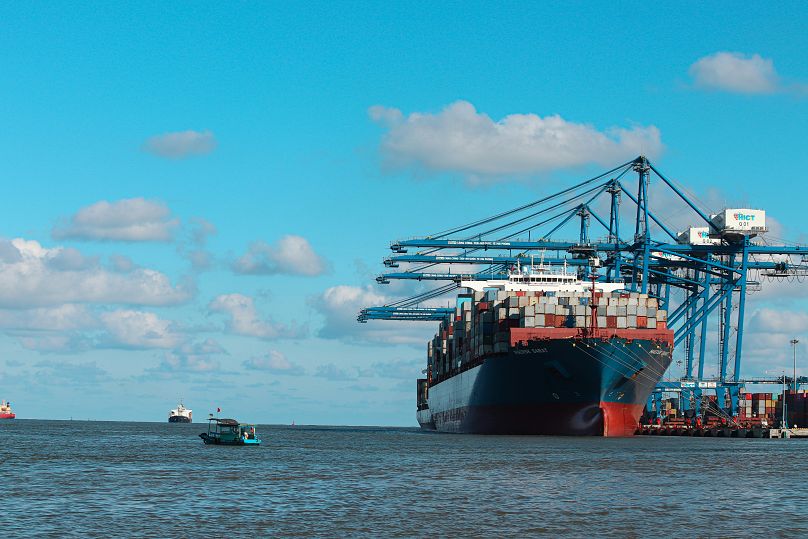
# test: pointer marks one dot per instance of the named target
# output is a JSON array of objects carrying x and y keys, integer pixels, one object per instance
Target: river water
[{"x": 109, "y": 479}]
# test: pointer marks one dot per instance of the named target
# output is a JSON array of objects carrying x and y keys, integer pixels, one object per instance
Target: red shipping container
[
  {"x": 521, "y": 294},
  {"x": 611, "y": 322},
  {"x": 642, "y": 321}
]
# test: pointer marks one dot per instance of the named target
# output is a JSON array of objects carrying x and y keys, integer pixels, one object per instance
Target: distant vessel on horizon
[
  {"x": 5, "y": 410},
  {"x": 180, "y": 414}
]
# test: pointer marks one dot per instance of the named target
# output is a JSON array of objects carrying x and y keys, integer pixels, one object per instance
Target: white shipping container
[
  {"x": 621, "y": 322},
  {"x": 740, "y": 220},
  {"x": 697, "y": 235},
  {"x": 538, "y": 321},
  {"x": 601, "y": 321},
  {"x": 527, "y": 322},
  {"x": 631, "y": 320},
  {"x": 611, "y": 310},
  {"x": 651, "y": 323},
  {"x": 580, "y": 321}
]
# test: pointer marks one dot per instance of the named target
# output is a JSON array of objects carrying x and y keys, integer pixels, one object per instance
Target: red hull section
[
  {"x": 526, "y": 335},
  {"x": 7, "y": 416},
  {"x": 620, "y": 419}
]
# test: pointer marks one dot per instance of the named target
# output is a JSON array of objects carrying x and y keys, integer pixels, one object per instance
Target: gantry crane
[{"x": 701, "y": 276}]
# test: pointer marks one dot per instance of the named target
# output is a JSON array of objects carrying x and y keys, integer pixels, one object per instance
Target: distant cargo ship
[
  {"x": 544, "y": 353},
  {"x": 180, "y": 414},
  {"x": 5, "y": 411}
]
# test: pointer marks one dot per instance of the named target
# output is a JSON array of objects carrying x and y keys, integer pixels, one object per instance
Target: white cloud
[
  {"x": 181, "y": 144},
  {"x": 735, "y": 72},
  {"x": 131, "y": 219},
  {"x": 340, "y": 305},
  {"x": 463, "y": 140},
  {"x": 57, "y": 343},
  {"x": 36, "y": 276},
  {"x": 783, "y": 321},
  {"x": 293, "y": 255},
  {"x": 121, "y": 263},
  {"x": 767, "y": 349},
  {"x": 275, "y": 362},
  {"x": 332, "y": 372},
  {"x": 141, "y": 330},
  {"x": 66, "y": 317},
  {"x": 190, "y": 358},
  {"x": 244, "y": 318},
  {"x": 192, "y": 246}
]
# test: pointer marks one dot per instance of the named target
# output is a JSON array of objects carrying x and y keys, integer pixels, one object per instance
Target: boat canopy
[{"x": 225, "y": 422}]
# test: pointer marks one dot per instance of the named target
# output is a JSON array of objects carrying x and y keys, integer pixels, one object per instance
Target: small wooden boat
[{"x": 229, "y": 432}]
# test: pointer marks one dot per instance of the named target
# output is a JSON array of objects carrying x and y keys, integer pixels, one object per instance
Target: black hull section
[
  {"x": 179, "y": 419},
  {"x": 557, "y": 387}
]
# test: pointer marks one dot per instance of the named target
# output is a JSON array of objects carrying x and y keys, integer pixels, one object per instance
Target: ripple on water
[{"x": 145, "y": 479}]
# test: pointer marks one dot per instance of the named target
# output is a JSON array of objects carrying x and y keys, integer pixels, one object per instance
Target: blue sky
[{"x": 198, "y": 196}]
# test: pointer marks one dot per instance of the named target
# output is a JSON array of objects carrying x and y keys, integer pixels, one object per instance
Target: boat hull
[
  {"x": 586, "y": 387},
  {"x": 212, "y": 440},
  {"x": 179, "y": 419},
  {"x": 8, "y": 416}
]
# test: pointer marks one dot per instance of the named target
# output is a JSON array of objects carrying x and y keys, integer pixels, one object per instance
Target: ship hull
[
  {"x": 594, "y": 387},
  {"x": 7, "y": 416},
  {"x": 179, "y": 419}
]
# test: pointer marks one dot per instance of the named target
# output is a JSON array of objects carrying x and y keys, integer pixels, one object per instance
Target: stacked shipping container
[{"x": 483, "y": 320}]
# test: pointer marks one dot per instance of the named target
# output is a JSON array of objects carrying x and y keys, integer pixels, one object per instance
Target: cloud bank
[
  {"x": 274, "y": 362},
  {"x": 293, "y": 255},
  {"x": 735, "y": 72},
  {"x": 339, "y": 307},
  {"x": 460, "y": 139},
  {"x": 35, "y": 276},
  {"x": 131, "y": 220},
  {"x": 181, "y": 144},
  {"x": 243, "y": 319}
]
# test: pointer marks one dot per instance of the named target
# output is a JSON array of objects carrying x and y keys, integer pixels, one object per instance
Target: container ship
[
  {"x": 180, "y": 414},
  {"x": 544, "y": 352},
  {"x": 5, "y": 411}
]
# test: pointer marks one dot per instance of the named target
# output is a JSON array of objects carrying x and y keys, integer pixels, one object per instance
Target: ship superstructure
[{"x": 180, "y": 414}]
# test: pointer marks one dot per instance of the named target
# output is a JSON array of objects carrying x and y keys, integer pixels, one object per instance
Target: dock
[{"x": 721, "y": 432}]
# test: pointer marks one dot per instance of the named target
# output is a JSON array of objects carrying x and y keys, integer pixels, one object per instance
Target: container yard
[{"x": 582, "y": 343}]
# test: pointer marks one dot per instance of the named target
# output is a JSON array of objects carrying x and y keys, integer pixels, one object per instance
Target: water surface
[{"x": 109, "y": 479}]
